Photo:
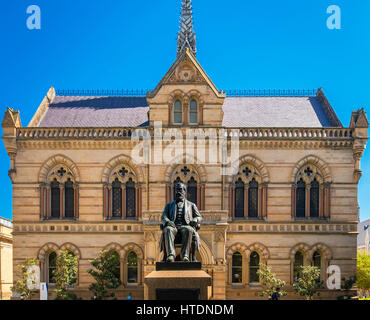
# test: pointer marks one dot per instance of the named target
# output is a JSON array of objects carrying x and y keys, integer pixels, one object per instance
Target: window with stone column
[
  {"x": 122, "y": 195},
  {"x": 190, "y": 178},
  {"x": 59, "y": 195},
  {"x": 248, "y": 194},
  {"x": 310, "y": 194}
]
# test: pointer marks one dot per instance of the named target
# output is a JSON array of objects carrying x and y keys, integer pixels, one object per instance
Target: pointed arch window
[
  {"x": 132, "y": 268},
  {"x": 193, "y": 112},
  {"x": 314, "y": 199},
  {"x": 177, "y": 112},
  {"x": 130, "y": 199},
  {"x": 237, "y": 268},
  {"x": 297, "y": 266},
  {"x": 122, "y": 195},
  {"x": 116, "y": 199},
  {"x": 59, "y": 195},
  {"x": 69, "y": 199},
  {"x": 301, "y": 199},
  {"x": 55, "y": 199},
  {"x": 310, "y": 195},
  {"x": 192, "y": 191},
  {"x": 52, "y": 265},
  {"x": 253, "y": 199},
  {"x": 254, "y": 265},
  {"x": 239, "y": 199}
]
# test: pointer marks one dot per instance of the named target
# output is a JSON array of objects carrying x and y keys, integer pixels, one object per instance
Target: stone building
[
  {"x": 292, "y": 200},
  {"x": 6, "y": 258}
]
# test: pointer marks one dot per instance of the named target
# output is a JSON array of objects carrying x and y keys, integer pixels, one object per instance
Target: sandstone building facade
[
  {"x": 292, "y": 200},
  {"x": 6, "y": 258}
]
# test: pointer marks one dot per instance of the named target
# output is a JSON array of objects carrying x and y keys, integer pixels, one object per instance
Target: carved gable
[{"x": 186, "y": 80}]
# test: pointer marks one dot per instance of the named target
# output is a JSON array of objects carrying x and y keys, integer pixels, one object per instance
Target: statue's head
[{"x": 180, "y": 191}]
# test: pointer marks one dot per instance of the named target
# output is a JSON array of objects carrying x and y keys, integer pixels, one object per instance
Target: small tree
[
  {"x": 308, "y": 282},
  {"x": 269, "y": 281},
  {"x": 106, "y": 274},
  {"x": 21, "y": 286},
  {"x": 363, "y": 271},
  {"x": 65, "y": 275}
]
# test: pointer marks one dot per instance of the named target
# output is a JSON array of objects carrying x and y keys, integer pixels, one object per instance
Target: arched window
[
  {"x": 314, "y": 199},
  {"x": 253, "y": 199},
  {"x": 193, "y": 112},
  {"x": 130, "y": 199},
  {"x": 301, "y": 199},
  {"x": 239, "y": 199},
  {"x": 69, "y": 199},
  {"x": 237, "y": 268},
  {"x": 116, "y": 199},
  {"x": 177, "y": 112},
  {"x": 298, "y": 264},
  {"x": 59, "y": 195},
  {"x": 316, "y": 259},
  {"x": 55, "y": 199},
  {"x": 192, "y": 191},
  {"x": 74, "y": 275},
  {"x": 132, "y": 268},
  {"x": 254, "y": 265},
  {"x": 52, "y": 264}
]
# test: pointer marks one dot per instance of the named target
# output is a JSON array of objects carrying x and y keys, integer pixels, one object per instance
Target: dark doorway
[{"x": 178, "y": 294}]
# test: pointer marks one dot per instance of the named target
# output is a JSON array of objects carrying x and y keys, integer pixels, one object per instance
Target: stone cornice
[{"x": 113, "y": 138}]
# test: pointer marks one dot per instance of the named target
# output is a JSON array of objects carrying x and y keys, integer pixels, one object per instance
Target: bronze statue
[{"x": 180, "y": 222}]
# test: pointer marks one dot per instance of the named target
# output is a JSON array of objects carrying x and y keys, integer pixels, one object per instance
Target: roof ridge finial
[{"x": 186, "y": 37}]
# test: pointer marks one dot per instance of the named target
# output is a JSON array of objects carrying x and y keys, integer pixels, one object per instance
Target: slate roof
[
  {"x": 77, "y": 111},
  {"x": 305, "y": 112},
  {"x": 111, "y": 111}
]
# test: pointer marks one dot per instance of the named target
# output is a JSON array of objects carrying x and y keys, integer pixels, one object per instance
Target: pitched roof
[
  {"x": 77, "y": 111},
  {"x": 111, "y": 111},
  {"x": 305, "y": 112}
]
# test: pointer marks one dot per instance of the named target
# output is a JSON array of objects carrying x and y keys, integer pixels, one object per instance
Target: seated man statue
[{"x": 180, "y": 217}]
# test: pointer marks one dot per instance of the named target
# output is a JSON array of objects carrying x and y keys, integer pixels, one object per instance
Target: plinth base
[{"x": 177, "y": 281}]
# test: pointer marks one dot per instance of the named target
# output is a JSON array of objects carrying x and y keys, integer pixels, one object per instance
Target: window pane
[
  {"x": 193, "y": 105},
  {"x": 193, "y": 117},
  {"x": 298, "y": 263},
  {"x": 130, "y": 199},
  {"x": 52, "y": 263},
  {"x": 55, "y": 199},
  {"x": 177, "y": 118},
  {"x": 117, "y": 199},
  {"x": 237, "y": 270},
  {"x": 239, "y": 199},
  {"x": 192, "y": 191},
  {"x": 116, "y": 263},
  {"x": 253, "y": 199},
  {"x": 178, "y": 106},
  {"x": 254, "y": 264},
  {"x": 69, "y": 199},
  {"x": 317, "y": 260},
  {"x": 314, "y": 199},
  {"x": 301, "y": 199},
  {"x": 132, "y": 268}
]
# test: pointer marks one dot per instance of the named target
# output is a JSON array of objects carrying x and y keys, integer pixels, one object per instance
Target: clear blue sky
[{"x": 129, "y": 44}]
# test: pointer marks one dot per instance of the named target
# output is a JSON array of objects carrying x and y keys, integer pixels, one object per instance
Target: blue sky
[{"x": 129, "y": 44}]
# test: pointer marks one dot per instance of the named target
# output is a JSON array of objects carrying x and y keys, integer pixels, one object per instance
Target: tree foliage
[
  {"x": 21, "y": 286},
  {"x": 269, "y": 281},
  {"x": 308, "y": 282},
  {"x": 65, "y": 275},
  {"x": 106, "y": 273},
  {"x": 363, "y": 271}
]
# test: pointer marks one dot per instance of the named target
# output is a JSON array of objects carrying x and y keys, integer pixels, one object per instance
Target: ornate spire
[{"x": 186, "y": 37}]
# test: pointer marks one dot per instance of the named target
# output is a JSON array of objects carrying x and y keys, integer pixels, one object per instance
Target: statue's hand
[
  {"x": 171, "y": 224},
  {"x": 193, "y": 224}
]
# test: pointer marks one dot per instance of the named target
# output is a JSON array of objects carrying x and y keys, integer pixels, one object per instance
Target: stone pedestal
[{"x": 177, "y": 281}]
